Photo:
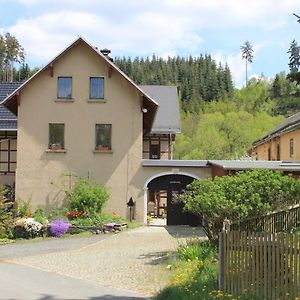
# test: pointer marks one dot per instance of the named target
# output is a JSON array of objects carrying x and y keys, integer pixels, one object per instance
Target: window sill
[
  {"x": 103, "y": 151},
  {"x": 64, "y": 100},
  {"x": 90, "y": 100},
  {"x": 56, "y": 151}
]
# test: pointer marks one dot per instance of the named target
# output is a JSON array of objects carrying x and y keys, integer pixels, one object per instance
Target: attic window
[
  {"x": 64, "y": 88},
  {"x": 96, "y": 88}
]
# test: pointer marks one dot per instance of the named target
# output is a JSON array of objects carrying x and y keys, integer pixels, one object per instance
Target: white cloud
[
  {"x": 45, "y": 35},
  {"x": 236, "y": 65},
  {"x": 143, "y": 27}
]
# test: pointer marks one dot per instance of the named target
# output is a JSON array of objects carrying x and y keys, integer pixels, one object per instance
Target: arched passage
[{"x": 162, "y": 198}]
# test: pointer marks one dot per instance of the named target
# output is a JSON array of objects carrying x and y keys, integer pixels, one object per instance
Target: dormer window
[
  {"x": 96, "y": 88},
  {"x": 64, "y": 87}
]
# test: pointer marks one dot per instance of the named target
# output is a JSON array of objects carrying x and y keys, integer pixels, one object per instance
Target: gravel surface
[{"x": 129, "y": 260}]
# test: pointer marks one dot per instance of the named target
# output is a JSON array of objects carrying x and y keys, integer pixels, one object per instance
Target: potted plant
[
  {"x": 56, "y": 146},
  {"x": 102, "y": 147}
]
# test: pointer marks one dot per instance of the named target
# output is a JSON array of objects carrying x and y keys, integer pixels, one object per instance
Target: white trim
[{"x": 145, "y": 188}]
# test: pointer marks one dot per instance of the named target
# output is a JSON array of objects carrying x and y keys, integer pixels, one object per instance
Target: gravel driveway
[{"x": 128, "y": 260}]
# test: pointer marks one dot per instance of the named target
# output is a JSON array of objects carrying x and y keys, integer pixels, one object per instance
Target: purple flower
[
  {"x": 110, "y": 225},
  {"x": 59, "y": 227}
]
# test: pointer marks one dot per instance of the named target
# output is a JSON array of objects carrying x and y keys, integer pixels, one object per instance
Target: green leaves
[
  {"x": 221, "y": 135},
  {"x": 87, "y": 196},
  {"x": 247, "y": 194}
]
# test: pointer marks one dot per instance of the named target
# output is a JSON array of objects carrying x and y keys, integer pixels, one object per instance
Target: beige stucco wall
[
  {"x": 284, "y": 141},
  {"x": 285, "y": 145},
  {"x": 42, "y": 176}
]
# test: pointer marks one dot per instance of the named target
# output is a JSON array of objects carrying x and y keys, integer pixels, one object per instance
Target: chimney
[{"x": 106, "y": 53}]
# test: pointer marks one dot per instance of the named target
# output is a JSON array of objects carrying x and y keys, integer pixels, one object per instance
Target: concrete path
[
  {"x": 43, "y": 246},
  {"x": 25, "y": 283},
  {"x": 130, "y": 260}
]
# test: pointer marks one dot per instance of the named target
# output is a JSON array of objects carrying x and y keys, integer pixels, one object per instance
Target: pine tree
[
  {"x": 294, "y": 62},
  {"x": 294, "y": 59},
  {"x": 247, "y": 54}
]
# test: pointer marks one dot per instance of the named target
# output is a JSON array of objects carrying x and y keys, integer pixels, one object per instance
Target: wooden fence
[
  {"x": 277, "y": 221},
  {"x": 263, "y": 265}
]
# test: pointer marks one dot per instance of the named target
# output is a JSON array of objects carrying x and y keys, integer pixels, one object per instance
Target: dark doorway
[{"x": 170, "y": 206}]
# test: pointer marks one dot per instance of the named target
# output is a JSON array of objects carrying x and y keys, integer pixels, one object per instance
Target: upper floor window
[
  {"x": 96, "y": 88},
  {"x": 154, "y": 151},
  {"x": 64, "y": 87},
  {"x": 56, "y": 136},
  {"x": 291, "y": 147},
  {"x": 103, "y": 136}
]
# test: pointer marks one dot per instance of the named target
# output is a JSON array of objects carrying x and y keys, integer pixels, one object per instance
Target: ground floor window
[
  {"x": 56, "y": 136},
  {"x": 103, "y": 136}
]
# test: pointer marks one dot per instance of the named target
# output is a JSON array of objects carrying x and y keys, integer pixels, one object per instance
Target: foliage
[
  {"x": 197, "y": 277},
  {"x": 247, "y": 194},
  {"x": 39, "y": 216},
  {"x": 57, "y": 213},
  {"x": 96, "y": 219},
  {"x": 11, "y": 51},
  {"x": 9, "y": 192},
  {"x": 196, "y": 249},
  {"x": 221, "y": 135},
  {"x": 194, "y": 276},
  {"x": 200, "y": 78},
  {"x": 247, "y": 54},
  {"x": 58, "y": 227},
  {"x": 6, "y": 214},
  {"x": 24, "y": 208},
  {"x": 87, "y": 196}
]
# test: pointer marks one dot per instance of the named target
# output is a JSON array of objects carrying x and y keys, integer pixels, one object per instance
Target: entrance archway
[{"x": 163, "y": 202}]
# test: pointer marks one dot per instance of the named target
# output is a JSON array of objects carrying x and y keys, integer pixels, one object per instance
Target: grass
[
  {"x": 195, "y": 274},
  {"x": 4, "y": 241}
]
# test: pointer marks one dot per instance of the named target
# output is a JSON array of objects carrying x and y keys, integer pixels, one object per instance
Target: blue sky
[{"x": 163, "y": 27}]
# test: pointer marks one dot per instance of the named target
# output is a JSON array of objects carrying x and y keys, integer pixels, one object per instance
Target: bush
[
  {"x": 6, "y": 215},
  {"x": 87, "y": 197},
  {"x": 24, "y": 208},
  {"x": 58, "y": 227},
  {"x": 40, "y": 217},
  {"x": 246, "y": 194}
]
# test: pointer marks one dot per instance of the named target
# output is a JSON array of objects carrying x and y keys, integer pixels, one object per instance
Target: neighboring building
[
  {"x": 282, "y": 143},
  {"x": 8, "y": 137}
]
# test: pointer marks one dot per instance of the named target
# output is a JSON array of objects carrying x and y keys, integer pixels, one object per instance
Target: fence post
[{"x": 221, "y": 261}]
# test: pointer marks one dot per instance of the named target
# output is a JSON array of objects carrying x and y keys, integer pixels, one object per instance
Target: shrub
[
  {"x": 6, "y": 215},
  {"x": 58, "y": 227},
  {"x": 24, "y": 208},
  {"x": 87, "y": 196},
  {"x": 40, "y": 217},
  {"x": 57, "y": 213},
  {"x": 246, "y": 194}
]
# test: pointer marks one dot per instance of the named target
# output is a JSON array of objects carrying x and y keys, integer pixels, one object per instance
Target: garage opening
[{"x": 163, "y": 204}]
